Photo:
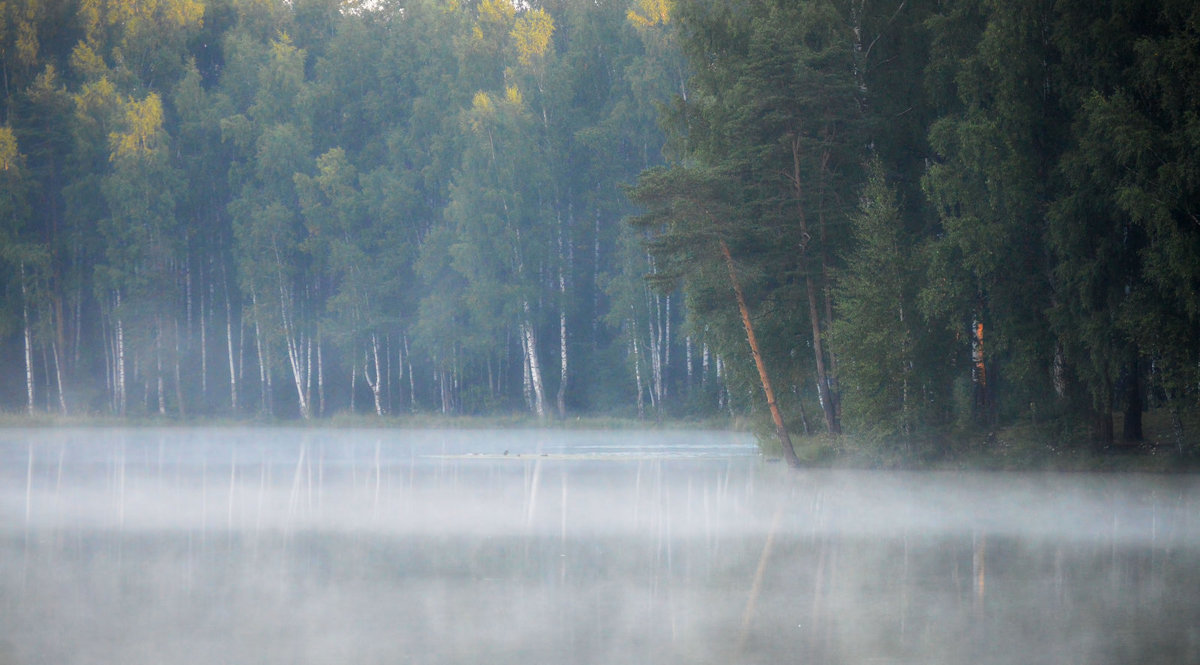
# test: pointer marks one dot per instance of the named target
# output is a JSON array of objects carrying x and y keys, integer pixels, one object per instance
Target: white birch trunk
[
  {"x": 296, "y": 355},
  {"x": 637, "y": 371},
  {"x": 62, "y": 398},
  {"x": 565, "y": 260},
  {"x": 233, "y": 380},
  {"x": 666, "y": 345},
  {"x": 687, "y": 352},
  {"x": 122, "y": 394},
  {"x": 295, "y": 349},
  {"x": 412, "y": 382},
  {"x": 655, "y": 340},
  {"x": 158, "y": 367},
  {"x": 374, "y": 383},
  {"x": 535, "y": 370},
  {"x": 203, "y": 347},
  {"x": 526, "y": 378},
  {"x": 320, "y": 381},
  {"x": 561, "y": 398},
  {"x": 28, "y": 336},
  {"x": 264, "y": 369}
]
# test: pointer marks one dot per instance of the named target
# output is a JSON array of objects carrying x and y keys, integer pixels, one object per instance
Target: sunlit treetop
[
  {"x": 95, "y": 101},
  {"x": 532, "y": 34},
  {"x": 143, "y": 129},
  {"x": 496, "y": 12},
  {"x": 482, "y": 102},
  {"x": 86, "y": 63},
  {"x": 135, "y": 15},
  {"x": 649, "y": 13},
  {"x": 487, "y": 108},
  {"x": 512, "y": 95}
]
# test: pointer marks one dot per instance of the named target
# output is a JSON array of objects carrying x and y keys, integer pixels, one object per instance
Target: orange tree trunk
[{"x": 785, "y": 441}]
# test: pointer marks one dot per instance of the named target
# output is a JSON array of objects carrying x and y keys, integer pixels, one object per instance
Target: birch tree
[
  {"x": 143, "y": 247},
  {"x": 273, "y": 134}
]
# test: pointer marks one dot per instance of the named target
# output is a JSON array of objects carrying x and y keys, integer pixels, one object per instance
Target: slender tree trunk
[
  {"x": 374, "y": 384},
  {"x": 203, "y": 346},
  {"x": 666, "y": 344},
  {"x": 654, "y": 342},
  {"x": 979, "y": 374},
  {"x": 1104, "y": 425},
  {"x": 46, "y": 377},
  {"x": 1131, "y": 430},
  {"x": 444, "y": 391},
  {"x": 832, "y": 424},
  {"x": 77, "y": 333},
  {"x": 28, "y": 337},
  {"x": 535, "y": 369},
  {"x": 296, "y": 359},
  {"x": 109, "y": 362},
  {"x": 122, "y": 394},
  {"x": 264, "y": 368},
  {"x": 62, "y": 398},
  {"x": 564, "y": 266},
  {"x": 561, "y": 397},
  {"x": 233, "y": 377},
  {"x": 412, "y": 382},
  {"x": 637, "y": 370},
  {"x": 389, "y": 404},
  {"x": 182, "y": 408},
  {"x": 785, "y": 441},
  {"x": 526, "y": 375},
  {"x": 158, "y": 367},
  {"x": 687, "y": 355},
  {"x": 320, "y": 380},
  {"x": 831, "y": 376}
]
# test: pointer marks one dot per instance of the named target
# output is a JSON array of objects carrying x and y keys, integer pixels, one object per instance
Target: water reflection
[{"x": 303, "y": 546}]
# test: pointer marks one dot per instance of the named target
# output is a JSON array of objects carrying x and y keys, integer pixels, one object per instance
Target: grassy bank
[
  {"x": 370, "y": 421},
  {"x": 1170, "y": 443}
]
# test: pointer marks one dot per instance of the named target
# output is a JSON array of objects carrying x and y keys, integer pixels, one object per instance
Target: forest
[{"x": 884, "y": 219}]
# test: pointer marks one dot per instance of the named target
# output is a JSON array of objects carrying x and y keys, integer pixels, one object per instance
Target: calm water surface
[{"x": 375, "y": 546}]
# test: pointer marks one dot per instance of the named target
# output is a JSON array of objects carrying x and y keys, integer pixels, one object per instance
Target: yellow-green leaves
[
  {"x": 86, "y": 62},
  {"x": 143, "y": 132},
  {"x": 531, "y": 34},
  {"x": 487, "y": 109},
  {"x": 649, "y": 13},
  {"x": 496, "y": 12},
  {"x": 134, "y": 15},
  {"x": 482, "y": 103},
  {"x": 512, "y": 95},
  {"x": 10, "y": 157}
]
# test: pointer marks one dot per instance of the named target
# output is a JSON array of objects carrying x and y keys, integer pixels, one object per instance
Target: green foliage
[
  {"x": 219, "y": 206},
  {"x": 878, "y": 325}
]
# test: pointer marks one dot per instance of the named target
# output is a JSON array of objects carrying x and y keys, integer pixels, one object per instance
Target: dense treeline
[
  {"x": 244, "y": 207},
  {"x": 922, "y": 214},
  {"x": 941, "y": 213}
]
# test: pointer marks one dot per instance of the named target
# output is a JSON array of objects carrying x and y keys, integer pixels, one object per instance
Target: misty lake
[{"x": 278, "y": 545}]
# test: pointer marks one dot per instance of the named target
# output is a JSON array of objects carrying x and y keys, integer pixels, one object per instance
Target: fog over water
[{"x": 275, "y": 545}]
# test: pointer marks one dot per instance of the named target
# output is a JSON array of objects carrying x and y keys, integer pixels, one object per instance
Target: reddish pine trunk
[{"x": 785, "y": 441}]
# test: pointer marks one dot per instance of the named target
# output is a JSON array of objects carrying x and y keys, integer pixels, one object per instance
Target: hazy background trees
[
  {"x": 296, "y": 209},
  {"x": 939, "y": 214}
]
